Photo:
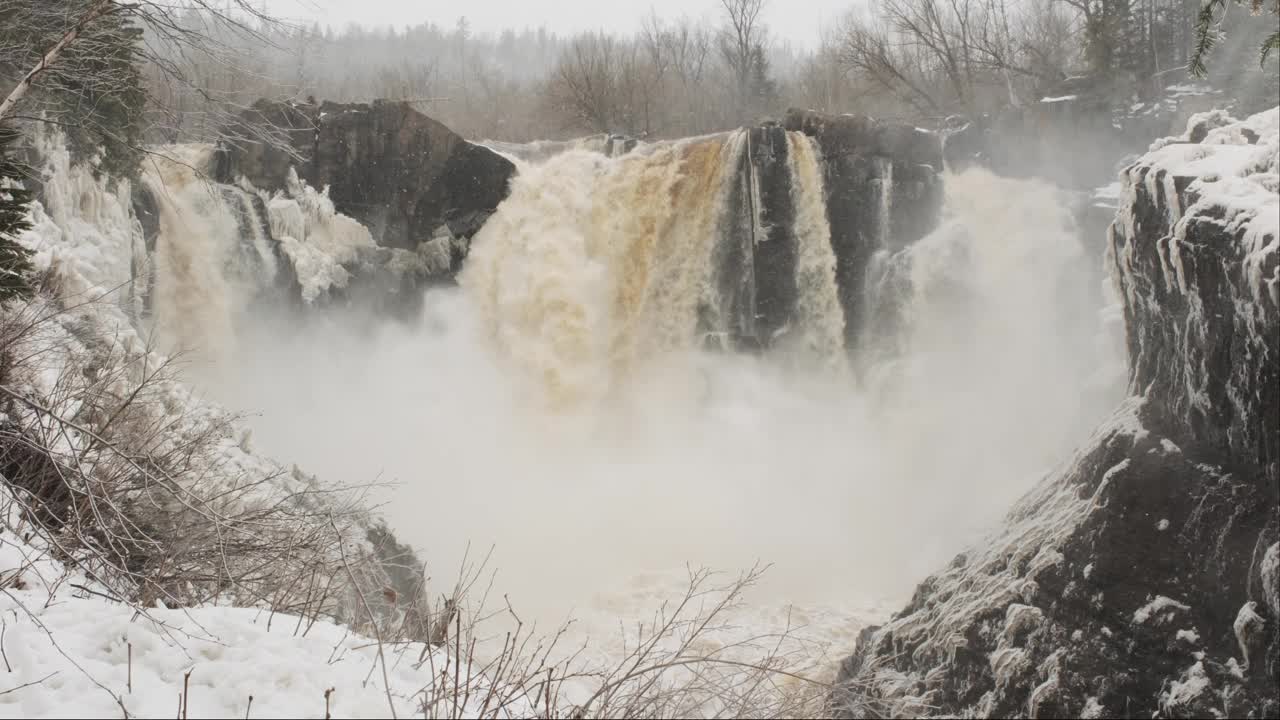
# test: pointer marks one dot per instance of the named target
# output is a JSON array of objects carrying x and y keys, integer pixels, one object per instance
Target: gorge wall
[
  {"x": 1140, "y": 578},
  {"x": 880, "y": 189}
]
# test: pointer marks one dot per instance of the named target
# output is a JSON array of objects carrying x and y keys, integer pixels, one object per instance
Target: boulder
[{"x": 400, "y": 173}]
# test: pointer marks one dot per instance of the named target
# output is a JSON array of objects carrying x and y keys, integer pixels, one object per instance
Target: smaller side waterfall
[
  {"x": 255, "y": 257},
  {"x": 819, "y": 315}
]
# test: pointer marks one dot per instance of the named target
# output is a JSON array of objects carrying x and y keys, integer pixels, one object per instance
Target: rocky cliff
[
  {"x": 882, "y": 192},
  {"x": 1140, "y": 579},
  {"x": 406, "y": 177}
]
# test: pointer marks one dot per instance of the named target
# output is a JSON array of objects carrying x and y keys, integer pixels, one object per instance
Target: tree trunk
[{"x": 97, "y": 10}]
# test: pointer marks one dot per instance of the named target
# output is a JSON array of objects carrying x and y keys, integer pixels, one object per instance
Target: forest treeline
[
  {"x": 672, "y": 77},
  {"x": 172, "y": 71}
]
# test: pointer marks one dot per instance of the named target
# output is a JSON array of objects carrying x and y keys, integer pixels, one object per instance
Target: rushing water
[{"x": 561, "y": 405}]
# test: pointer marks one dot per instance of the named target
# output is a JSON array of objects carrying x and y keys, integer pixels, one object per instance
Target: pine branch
[
  {"x": 1206, "y": 37},
  {"x": 1271, "y": 43}
]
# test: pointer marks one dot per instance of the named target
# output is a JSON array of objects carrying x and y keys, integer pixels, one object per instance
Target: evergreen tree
[
  {"x": 1206, "y": 33},
  {"x": 112, "y": 112},
  {"x": 95, "y": 91},
  {"x": 15, "y": 259},
  {"x": 763, "y": 90}
]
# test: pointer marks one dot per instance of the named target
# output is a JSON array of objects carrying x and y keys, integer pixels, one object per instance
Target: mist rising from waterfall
[{"x": 562, "y": 404}]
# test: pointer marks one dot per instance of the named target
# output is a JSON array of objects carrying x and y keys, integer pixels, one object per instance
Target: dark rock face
[
  {"x": 615, "y": 145},
  {"x": 397, "y": 171},
  {"x": 774, "y": 253},
  {"x": 1138, "y": 580},
  {"x": 1201, "y": 302},
  {"x": 147, "y": 212},
  {"x": 883, "y": 193}
]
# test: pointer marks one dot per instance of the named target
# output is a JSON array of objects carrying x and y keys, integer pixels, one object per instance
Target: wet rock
[
  {"x": 1139, "y": 580},
  {"x": 775, "y": 243},
  {"x": 883, "y": 191},
  {"x": 400, "y": 173}
]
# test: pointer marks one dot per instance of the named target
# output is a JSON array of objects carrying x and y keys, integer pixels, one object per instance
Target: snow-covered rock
[
  {"x": 92, "y": 340},
  {"x": 1167, "y": 519},
  {"x": 71, "y": 650}
]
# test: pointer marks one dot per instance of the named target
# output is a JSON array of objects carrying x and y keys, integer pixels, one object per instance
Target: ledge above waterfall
[{"x": 864, "y": 135}]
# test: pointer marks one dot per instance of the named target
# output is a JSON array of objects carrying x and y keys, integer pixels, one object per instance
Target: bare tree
[
  {"x": 868, "y": 48},
  {"x": 682, "y": 52},
  {"x": 741, "y": 42},
  {"x": 63, "y": 58},
  {"x": 585, "y": 82},
  {"x": 943, "y": 56}
]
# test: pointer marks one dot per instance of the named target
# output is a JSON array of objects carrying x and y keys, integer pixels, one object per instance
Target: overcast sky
[{"x": 796, "y": 21}]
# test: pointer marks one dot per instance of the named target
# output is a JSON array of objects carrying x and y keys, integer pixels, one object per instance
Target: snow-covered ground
[{"x": 69, "y": 650}]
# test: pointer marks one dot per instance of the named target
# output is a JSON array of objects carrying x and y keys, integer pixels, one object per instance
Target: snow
[
  {"x": 72, "y": 651},
  {"x": 1062, "y": 98},
  {"x": 1158, "y": 605},
  {"x": 1184, "y": 89},
  {"x": 1020, "y": 620},
  {"x": 1191, "y": 685},
  {"x": 1112, "y": 472},
  {"x": 232, "y": 653},
  {"x": 1235, "y": 175},
  {"x": 1162, "y": 525},
  {"x": 1191, "y": 636},
  {"x": 1092, "y": 709},
  {"x": 72, "y": 645},
  {"x": 1007, "y": 663},
  {"x": 1248, "y": 625},
  {"x": 1270, "y": 574},
  {"x": 84, "y": 227},
  {"x": 79, "y": 654},
  {"x": 318, "y": 240}
]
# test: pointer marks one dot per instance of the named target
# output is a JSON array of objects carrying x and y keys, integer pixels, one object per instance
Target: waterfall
[
  {"x": 596, "y": 268},
  {"x": 561, "y": 403},
  {"x": 594, "y": 264},
  {"x": 884, "y": 211},
  {"x": 222, "y": 248},
  {"x": 193, "y": 299},
  {"x": 820, "y": 317},
  {"x": 995, "y": 300},
  {"x": 255, "y": 259}
]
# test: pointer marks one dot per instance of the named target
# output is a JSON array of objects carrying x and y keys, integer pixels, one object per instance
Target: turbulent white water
[
  {"x": 195, "y": 299},
  {"x": 818, "y": 310},
  {"x": 558, "y": 404}
]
